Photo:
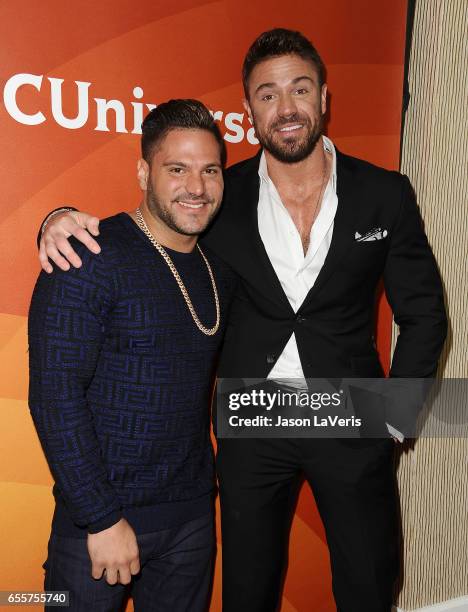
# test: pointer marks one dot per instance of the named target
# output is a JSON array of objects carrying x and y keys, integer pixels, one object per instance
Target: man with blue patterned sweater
[{"x": 122, "y": 353}]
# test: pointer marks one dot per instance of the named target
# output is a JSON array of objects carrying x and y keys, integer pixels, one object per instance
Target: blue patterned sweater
[{"x": 120, "y": 382}]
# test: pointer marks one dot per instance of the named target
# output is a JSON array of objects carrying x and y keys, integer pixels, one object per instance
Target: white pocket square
[{"x": 374, "y": 234}]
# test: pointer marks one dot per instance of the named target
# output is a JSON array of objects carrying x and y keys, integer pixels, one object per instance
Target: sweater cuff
[
  {"x": 105, "y": 522},
  {"x": 39, "y": 234}
]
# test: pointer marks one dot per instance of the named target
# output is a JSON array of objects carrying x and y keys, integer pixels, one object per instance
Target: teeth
[
  {"x": 187, "y": 205},
  {"x": 290, "y": 129}
]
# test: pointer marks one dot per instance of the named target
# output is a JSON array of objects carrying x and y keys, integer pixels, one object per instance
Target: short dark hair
[
  {"x": 175, "y": 115},
  {"x": 275, "y": 43}
]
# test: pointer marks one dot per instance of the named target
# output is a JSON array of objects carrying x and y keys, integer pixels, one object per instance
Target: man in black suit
[{"x": 310, "y": 233}]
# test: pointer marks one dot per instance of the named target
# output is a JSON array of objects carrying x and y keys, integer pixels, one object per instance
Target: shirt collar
[{"x": 327, "y": 146}]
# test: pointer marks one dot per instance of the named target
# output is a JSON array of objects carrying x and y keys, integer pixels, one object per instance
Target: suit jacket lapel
[
  {"x": 343, "y": 232},
  {"x": 263, "y": 275}
]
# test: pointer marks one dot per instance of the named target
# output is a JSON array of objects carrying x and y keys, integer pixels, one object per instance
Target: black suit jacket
[{"x": 334, "y": 326}]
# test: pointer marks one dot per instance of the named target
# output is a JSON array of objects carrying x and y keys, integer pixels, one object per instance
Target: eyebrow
[
  {"x": 294, "y": 82},
  {"x": 182, "y": 165}
]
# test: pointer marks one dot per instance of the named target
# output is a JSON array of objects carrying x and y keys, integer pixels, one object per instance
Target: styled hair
[
  {"x": 278, "y": 42},
  {"x": 175, "y": 115}
]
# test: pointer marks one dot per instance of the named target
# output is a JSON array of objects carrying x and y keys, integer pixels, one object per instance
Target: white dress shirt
[{"x": 296, "y": 272}]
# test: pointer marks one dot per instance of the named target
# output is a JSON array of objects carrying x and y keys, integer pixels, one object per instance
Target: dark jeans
[
  {"x": 353, "y": 485},
  {"x": 176, "y": 571}
]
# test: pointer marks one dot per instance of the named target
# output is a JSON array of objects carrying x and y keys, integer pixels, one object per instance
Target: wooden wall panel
[{"x": 433, "y": 476}]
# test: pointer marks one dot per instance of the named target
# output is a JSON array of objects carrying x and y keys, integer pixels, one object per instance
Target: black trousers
[
  {"x": 353, "y": 485},
  {"x": 176, "y": 571}
]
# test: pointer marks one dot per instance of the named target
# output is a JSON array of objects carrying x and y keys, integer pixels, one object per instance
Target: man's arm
[
  {"x": 66, "y": 322},
  {"x": 414, "y": 290},
  {"x": 55, "y": 231}
]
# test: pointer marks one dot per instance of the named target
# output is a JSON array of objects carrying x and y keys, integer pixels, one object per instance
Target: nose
[
  {"x": 287, "y": 106},
  {"x": 195, "y": 184}
]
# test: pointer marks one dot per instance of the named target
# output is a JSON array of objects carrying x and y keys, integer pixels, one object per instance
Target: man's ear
[
  {"x": 143, "y": 173},
  {"x": 323, "y": 98},
  {"x": 248, "y": 110}
]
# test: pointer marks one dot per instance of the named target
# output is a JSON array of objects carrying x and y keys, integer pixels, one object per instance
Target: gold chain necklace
[
  {"x": 320, "y": 192},
  {"x": 306, "y": 240},
  {"x": 206, "y": 330}
]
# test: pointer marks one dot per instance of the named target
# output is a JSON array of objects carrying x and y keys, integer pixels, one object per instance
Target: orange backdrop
[{"x": 76, "y": 78}]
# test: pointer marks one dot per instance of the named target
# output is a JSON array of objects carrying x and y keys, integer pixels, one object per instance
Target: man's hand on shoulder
[
  {"x": 54, "y": 243},
  {"x": 115, "y": 551}
]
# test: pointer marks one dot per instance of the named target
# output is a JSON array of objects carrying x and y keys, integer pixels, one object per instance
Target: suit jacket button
[
  {"x": 301, "y": 319},
  {"x": 271, "y": 358}
]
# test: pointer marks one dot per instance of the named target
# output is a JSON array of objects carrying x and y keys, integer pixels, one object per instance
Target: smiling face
[
  {"x": 287, "y": 106},
  {"x": 183, "y": 185}
]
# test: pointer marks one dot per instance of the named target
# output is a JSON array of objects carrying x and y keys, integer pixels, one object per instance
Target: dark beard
[
  {"x": 292, "y": 152},
  {"x": 157, "y": 210}
]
